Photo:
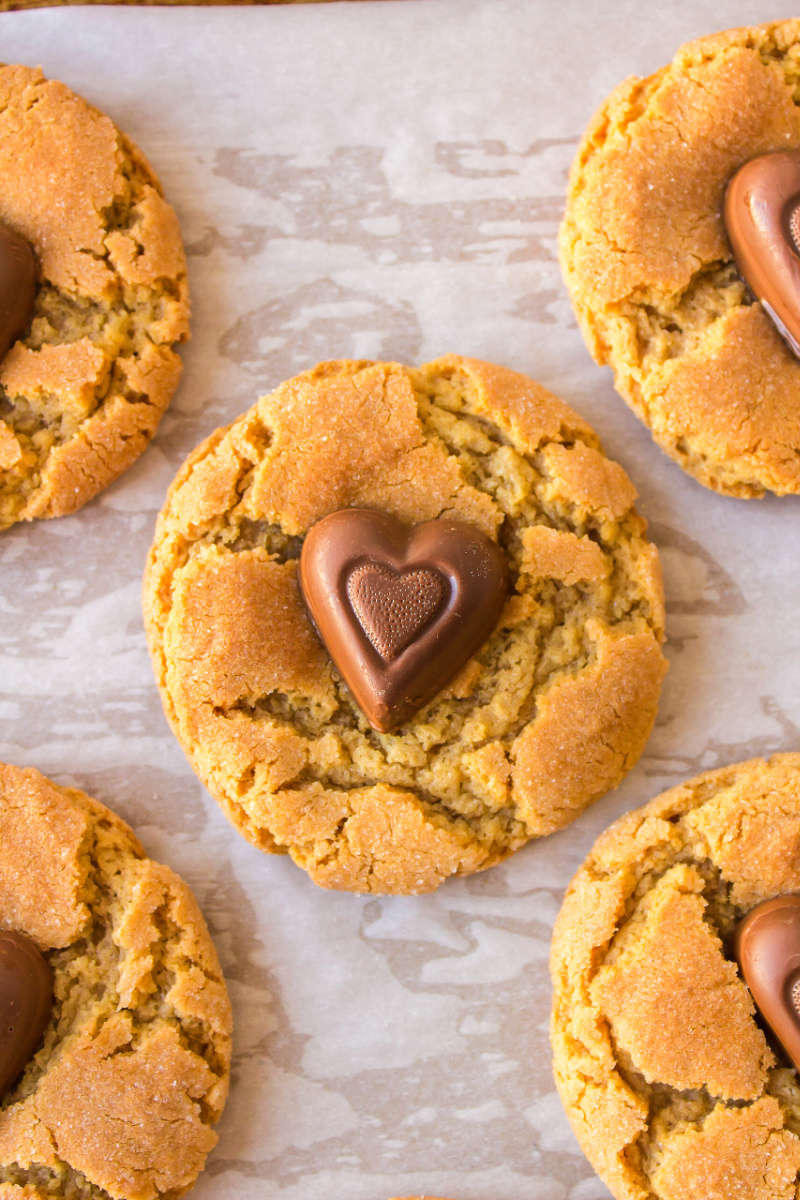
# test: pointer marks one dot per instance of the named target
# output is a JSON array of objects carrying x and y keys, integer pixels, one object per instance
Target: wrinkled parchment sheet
[{"x": 376, "y": 180}]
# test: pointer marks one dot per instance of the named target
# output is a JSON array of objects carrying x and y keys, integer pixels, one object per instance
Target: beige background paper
[{"x": 377, "y": 180}]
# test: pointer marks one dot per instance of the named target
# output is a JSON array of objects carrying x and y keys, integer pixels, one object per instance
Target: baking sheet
[{"x": 379, "y": 180}]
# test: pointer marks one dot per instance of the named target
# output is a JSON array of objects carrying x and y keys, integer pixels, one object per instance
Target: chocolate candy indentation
[
  {"x": 17, "y": 286},
  {"x": 400, "y": 610},
  {"x": 763, "y": 223},
  {"x": 26, "y": 1001},
  {"x": 768, "y": 949},
  {"x": 393, "y": 609},
  {"x": 795, "y": 996},
  {"x": 794, "y": 227}
]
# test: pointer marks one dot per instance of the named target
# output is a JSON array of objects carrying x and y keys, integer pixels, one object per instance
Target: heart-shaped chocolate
[
  {"x": 400, "y": 610},
  {"x": 17, "y": 286},
  {"x": 767, "y": 945},
  {"x": 26, "y": 1001},
  {"x": 762, "y": 219}
]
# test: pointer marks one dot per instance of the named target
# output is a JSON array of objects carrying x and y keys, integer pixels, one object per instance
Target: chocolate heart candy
[
  {"x": 26, "y": 1000},
  {"x": 762, "y": 218},
  {"x": 399, "y": 609},
  {"x": 767, "y": 945},
  {"x": 17, "y": 286}
]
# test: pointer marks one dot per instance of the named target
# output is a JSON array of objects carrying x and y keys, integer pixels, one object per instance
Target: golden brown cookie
[
  {"x": 550, "y": 713},
  {"x": 668, "y": 1080},
  {"x": 82, "y": 393},
  {"x": 133, "y": 1068},
  {"x": 650, "y": 269}
]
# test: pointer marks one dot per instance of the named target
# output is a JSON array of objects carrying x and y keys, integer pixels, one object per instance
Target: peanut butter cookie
[
  {"x": 83, "y": 390},
  {"x": 133, "y": 1067},
  {"x": 668, "y": 1079},
  {"x": 650, "y": 268},
  {"x": 549, "y": 713}
]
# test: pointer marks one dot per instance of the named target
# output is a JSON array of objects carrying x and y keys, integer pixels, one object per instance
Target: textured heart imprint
[
  {"x": 768, "y": 949},
  {"x": 393, "y": 609},
  {"x": 400, "y": 610},
  {"x": 762, "y": 219},
  {"x": 26, "y": 1000}
]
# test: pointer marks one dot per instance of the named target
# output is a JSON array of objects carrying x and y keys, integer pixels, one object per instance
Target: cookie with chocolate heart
[
  {"x": 400, "y": 610},
  {"x": 404, "y": 620},
  {"x": 675, "y": 959},
  {"x": 114, "y": 1016},
  {"x": 93, "y": 299},
  {"x": 678, "y": 252}
]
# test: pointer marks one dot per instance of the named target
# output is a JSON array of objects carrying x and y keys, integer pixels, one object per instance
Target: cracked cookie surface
[
  {"x": 133, "y": 1068},
  {"x": 82, "y": 393},
  {"x": 668, "y": 1079},
  {"x": 550, "y": 713},
  {"x": 650, "y": 269}
]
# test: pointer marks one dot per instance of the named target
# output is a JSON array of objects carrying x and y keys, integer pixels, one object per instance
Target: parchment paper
[{"x": 378, "y": 180}]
